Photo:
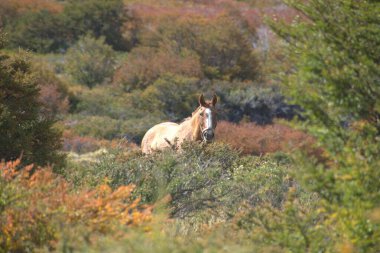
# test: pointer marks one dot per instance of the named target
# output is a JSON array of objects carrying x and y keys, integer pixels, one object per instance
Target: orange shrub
[
  {"x": 254, "y": 139},
  {"x": 39, "y": 209}
]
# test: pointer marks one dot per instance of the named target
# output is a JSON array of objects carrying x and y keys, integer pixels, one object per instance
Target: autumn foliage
[
  {"x": 10, "y": 9},
  {"x": 37, "y": 209},
  {"x": 99, "y": 73},
  {"x": 145, "y": 65},
  {"x": 53, "y": 93},
  {"x": 259, "y": 140}
]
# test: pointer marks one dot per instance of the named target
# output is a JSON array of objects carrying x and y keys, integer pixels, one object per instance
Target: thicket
[
  {"x": 25, "y": 130},
  {"x": 254, "y": 139},
  {"x": 41, "y": 211},
  {"x": 54, "y": 94},
  {"x": 90, "y": 61},
  {"x": 45, "y": 30},
  {"x": 320, "y": 199},
  {"x": 170, "y": 98},
  {"x": 223, "y": 45},
  {"x": 210, "y": 196},
  {"x": 211, "y": 181},
  {"x": 147, "y": 64},
  {"x": 175, "y": 53},
  {"x": 335, "y": 53},
  {"x": 10, "y": 10}
]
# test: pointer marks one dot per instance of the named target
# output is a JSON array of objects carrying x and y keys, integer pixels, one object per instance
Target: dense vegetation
[
  {"x": 25, "y": 130},
  {"x": 294, "y": 167}
]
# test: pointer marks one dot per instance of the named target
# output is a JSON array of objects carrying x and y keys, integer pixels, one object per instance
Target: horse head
[{"x": 207, "y": 117}]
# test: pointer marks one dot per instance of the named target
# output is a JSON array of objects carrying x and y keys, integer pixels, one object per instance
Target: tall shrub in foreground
[
  {"x": 24, "y": 130},
  {"x": 41, "y": 210},
  {"x": 336, "y": 56}
]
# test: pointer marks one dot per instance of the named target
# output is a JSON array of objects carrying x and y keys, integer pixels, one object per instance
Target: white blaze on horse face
[
  {"x": 208, "y": 131},
  {"x": 208, "y": 118}
]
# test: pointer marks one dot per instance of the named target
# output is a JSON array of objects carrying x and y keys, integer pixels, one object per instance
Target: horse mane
[{"x": 192, "y": 114}]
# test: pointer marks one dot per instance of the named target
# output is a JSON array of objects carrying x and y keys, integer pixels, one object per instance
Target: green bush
[
  {"x": 24, "y": 130},
  {"x": 259, "y": 103},
  {"x": 90, "y": 61},
  {"x": 175, "y": 96},
  {"x": 101, "y": 127},
  {"x": 216, "y": 200},
  {"x": 223, "y": 43},
  {"x": 335, "y": 79},
  {"x": 101, "y": 18},
  {"x": 104, "y": 127},
  {"x": 125, "y": 111},
  {"x": 54, "y": 94},
  {"x": 41, "y": 31},
  {"x": 105, "y": 101},
  {"x": 203, "y": 181},
  {"x": 46, "y": 31}
]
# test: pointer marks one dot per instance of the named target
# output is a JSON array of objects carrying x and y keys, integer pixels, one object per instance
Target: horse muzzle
[{"x": 208, "y": 135}]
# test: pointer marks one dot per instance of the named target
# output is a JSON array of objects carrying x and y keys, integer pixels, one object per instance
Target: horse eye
[{"x": 201, "y": 113}]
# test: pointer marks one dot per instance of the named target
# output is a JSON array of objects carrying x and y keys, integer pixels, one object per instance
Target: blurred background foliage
[{"x": 295, "y": 164}]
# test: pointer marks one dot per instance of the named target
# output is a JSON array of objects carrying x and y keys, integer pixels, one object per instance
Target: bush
[
  {"x": 105, "y": 101},
  {"x": 90, "y": 61},
  {"x": 259, "y": 140},
  {"x": 204, "y": 183},
  {"x": 121, "y": 115},
  {"x": 174, "y": 96},
  {"x": 101, "y": 127},
  {"x": 335, "y": 79},
  {"x": 41, "y": 211},
  {"x": 85, "y": 144},
  {"x": 250, "y": 100},
  {"x": 48, "y": 30},
  {"x": 25, "y": 131},
  {"x": 145, "y": 65},
  {"x": 79, "y": 144},
  {"x": 10, "y": 10},
  {"x": 104, "y": 127},
  {"x": 103, "y": 19},
  {"x": 41, "y": 31},
  {"x": 127, "y": 115},
  {"x": 54, "y": 95},
  {"x": 223, "y": 42}
]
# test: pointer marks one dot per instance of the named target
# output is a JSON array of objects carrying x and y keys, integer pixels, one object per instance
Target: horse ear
[
  {"x": 202, "y": 101},
  {"x": 214, "y": 100}
]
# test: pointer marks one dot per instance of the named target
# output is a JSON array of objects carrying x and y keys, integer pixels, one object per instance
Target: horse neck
[
  {"x": 196, "y": 127},
  {"x": 191, "y": 128}
]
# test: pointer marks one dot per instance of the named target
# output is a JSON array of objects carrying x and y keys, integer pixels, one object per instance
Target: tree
[
  {"x": 223, "y": 43},
  {"x": 102, "y": 18},
  {"x": 147, "y": 64},
  {"x": 42, "y": 31},
  {"x": 48, "y": 30},
  {"x": 24, "y": 130},
  {"x": 335, "y": 49},
  {"x": 90, "y": 61}
]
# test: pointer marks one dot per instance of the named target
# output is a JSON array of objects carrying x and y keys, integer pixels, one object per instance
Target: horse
[{"x": 199, "y": 127}]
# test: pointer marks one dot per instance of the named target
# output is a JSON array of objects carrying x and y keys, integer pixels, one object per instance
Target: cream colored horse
[{"x": 200, "y": 126}]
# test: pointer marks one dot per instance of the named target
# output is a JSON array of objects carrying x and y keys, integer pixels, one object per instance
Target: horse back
[{"x": 159, "y": 136}]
